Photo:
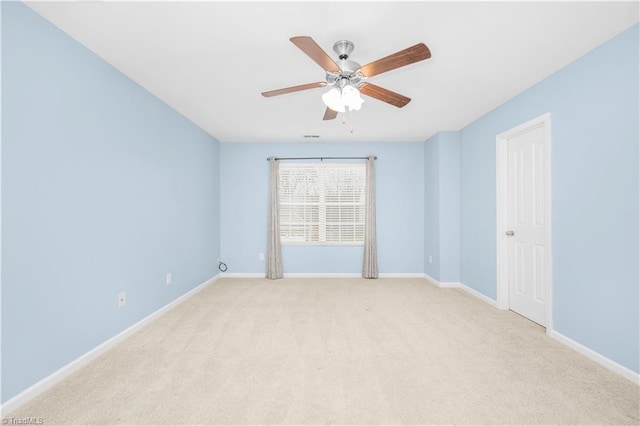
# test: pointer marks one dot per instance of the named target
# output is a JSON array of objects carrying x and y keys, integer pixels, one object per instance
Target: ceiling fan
[{"x": 348, "y": 78}]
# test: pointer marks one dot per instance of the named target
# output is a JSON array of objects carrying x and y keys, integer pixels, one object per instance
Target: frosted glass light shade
[
  {"x": 333, "y": 100},
  {"x": 351, "y": 98},
  {"x": 339, "y": 100}
]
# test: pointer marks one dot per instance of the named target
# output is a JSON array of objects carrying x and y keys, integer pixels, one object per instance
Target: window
[{"x": 322, "y": 203}]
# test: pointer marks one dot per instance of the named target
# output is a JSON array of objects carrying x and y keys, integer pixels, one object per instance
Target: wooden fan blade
[
  {"x": 293, "y": 89},
  {"x": 315, "y": 52},
  {"x": 412, "y": 54},
  {"x": 329, "y": 114},
  {"x": 384, "y": 95}
]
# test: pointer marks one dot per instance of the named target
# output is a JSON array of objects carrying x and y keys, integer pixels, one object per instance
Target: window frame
[{"x": 322, "y": 205}]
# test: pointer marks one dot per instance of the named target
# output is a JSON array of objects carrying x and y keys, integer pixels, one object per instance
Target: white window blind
[{"x": 322, "y": 203}]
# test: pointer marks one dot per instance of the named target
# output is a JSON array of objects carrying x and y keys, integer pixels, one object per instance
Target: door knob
[{"x": 510, "y": 233}]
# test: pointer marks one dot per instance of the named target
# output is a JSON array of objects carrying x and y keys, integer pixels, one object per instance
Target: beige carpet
[{"x": 338, "y": 351}]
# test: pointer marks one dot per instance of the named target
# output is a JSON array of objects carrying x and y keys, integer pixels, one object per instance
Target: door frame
[{"x": 502, "y": 188}]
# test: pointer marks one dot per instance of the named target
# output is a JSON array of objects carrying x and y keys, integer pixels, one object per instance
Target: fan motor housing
[
  {"x": 348, "y": 66},
  {"x": 349, "y": 69}
]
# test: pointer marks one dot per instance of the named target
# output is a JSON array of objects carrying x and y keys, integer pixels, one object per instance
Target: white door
[{"x": 527, "y": 223}]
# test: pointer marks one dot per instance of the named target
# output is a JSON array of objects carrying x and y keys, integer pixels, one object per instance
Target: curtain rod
[{"x": 322, "y": 158}]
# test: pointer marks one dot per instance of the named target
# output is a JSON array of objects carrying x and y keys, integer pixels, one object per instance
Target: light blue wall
[
  {"x": 594, "y": 165},
  {"x": 104, "y": 189},
  {"x": 442, "y": 206},
  {"x": 400, "y": 216},
  {"x": 449, "y": 206},
  {"x": 432, "y": 206}
]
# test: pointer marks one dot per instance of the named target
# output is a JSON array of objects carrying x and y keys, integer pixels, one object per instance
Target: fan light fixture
[
  {"x": 339, "y": 99},
  {"x": 347, "y": 79}
]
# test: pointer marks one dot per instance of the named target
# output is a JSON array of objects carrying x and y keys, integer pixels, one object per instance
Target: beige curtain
[
  {"x": 274, "y": 255},
  {"x": 370, "y": 264}
]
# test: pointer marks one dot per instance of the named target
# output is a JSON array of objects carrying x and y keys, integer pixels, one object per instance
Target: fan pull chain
[{"x": 344, "y": 121}]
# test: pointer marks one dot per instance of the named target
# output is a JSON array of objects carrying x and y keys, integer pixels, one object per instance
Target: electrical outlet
[
  {"x": 169, "y": 278},
  {"x": 260, "y": 256},
  {"x": 430, "y": 259},
  {"x": 122, "y": 299}
]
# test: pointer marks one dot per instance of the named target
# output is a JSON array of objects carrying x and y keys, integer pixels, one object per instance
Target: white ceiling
[{"x": 211, "y": 60}]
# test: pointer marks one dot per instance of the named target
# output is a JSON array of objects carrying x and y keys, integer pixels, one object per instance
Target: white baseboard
[
  {"x": 401, "y": 275},
  {"x": 479, "y": 295},
  {"x": 449, "y": 284},
  {"x": 288, "y": 275},
  {"x": 242, "y": 275},
  {"x": 432, "y": 280},
  {"x": 320, "y": 275},
  {"x": 437, "y": 283},
  {"x": 454, "y": 284},
  {"x": 595, "y": 356},
  {"x": 57, "y": 376}
]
